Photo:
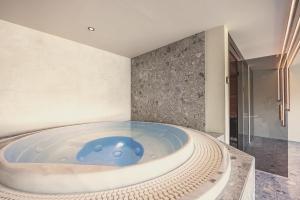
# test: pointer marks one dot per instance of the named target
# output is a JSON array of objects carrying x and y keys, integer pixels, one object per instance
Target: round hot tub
[
  {"x": 93, "y": 157},
  {"x": 114, "y": 160}
]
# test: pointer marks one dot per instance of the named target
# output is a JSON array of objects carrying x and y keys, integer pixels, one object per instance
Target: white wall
[
  {"x": 294, "y": 114},
  {"x": 216, "y": 90},
  {"x": 48, "y": 81}
]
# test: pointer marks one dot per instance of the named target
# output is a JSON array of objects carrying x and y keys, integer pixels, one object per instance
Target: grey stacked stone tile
[{"x": 168, "y": 84}]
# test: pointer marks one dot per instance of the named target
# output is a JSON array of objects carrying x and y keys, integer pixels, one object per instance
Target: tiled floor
[{"x": 271, "y": 186}]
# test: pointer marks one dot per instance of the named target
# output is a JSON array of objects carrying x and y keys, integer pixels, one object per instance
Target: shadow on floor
[{"x": 271, "y": 155}]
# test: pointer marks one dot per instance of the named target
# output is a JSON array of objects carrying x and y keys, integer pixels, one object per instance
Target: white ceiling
[{"x": 133, "y": 27}]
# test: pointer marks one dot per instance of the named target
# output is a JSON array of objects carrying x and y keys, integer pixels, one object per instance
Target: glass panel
[
  {"x": 244, "y": 105},
  {"x": 269, "y": 142}
]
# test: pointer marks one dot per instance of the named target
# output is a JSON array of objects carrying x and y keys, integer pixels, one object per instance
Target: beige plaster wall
[
  {"x": 48, "y": 81},
  {"x": 216, "y": 90}
]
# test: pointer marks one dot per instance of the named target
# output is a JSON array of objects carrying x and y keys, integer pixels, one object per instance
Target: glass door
[{"x": 240, "y": 107}]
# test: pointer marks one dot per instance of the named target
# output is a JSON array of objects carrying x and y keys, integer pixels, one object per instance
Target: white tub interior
[{"x": 61, "y": 145}]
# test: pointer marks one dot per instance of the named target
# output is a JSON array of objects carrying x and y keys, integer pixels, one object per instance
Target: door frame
[{"x": 236, "y": 53}]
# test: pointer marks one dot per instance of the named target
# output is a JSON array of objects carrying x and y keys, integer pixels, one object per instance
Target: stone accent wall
[{"x": 168, "y": 84}]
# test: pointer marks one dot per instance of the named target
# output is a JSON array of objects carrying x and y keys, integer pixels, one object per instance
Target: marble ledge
[
  {"x": 241, "y": 184},
  {"x": 219, "y": 136}
]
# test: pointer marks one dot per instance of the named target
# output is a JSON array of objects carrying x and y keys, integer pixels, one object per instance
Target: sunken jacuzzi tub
[{"x": 117, "y": 160}]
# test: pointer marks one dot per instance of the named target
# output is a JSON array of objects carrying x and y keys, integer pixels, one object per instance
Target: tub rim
[{"x": 15, "y": 175}]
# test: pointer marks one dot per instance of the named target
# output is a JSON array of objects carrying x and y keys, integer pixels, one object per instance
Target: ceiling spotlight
[{"x": 91, "y": 28}]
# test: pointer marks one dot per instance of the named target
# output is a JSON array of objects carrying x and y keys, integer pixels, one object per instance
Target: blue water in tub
[{"x": 120, "y": 151}]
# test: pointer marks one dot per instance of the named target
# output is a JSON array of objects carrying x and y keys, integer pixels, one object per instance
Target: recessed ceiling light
[{"x": 91, "y": 28}]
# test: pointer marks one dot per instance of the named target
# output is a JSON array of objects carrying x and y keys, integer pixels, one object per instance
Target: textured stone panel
[{"x": 168, "y": 84}]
